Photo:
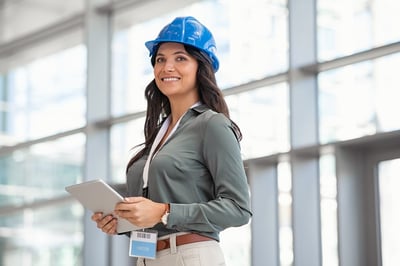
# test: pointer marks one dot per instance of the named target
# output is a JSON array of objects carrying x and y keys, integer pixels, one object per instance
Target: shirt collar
[{"x": 200, "y": 108}]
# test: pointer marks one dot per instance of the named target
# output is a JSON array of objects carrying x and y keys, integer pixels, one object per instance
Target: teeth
[{"x": 170, "y": 79}]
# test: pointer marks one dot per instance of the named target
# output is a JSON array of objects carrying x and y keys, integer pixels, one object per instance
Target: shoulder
[
  {"x": 211, "y": 122},
  {"x": 209, "y": 118},
  {"x": 207, "y": 115}
]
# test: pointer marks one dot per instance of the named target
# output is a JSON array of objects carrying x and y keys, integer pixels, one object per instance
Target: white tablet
[{"x": 98, "y": 196}]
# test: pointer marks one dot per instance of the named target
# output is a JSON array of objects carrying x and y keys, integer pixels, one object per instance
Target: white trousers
[{"x": 206, "y": 253}]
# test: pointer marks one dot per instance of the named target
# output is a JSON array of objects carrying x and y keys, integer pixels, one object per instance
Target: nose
[{"x": 169, "y": 66}]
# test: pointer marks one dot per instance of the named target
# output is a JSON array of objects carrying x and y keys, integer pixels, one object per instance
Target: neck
[{"x": 179, "y": 108}]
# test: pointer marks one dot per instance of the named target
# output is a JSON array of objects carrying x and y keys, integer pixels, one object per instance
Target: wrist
[{"x": 164, "y": 217}]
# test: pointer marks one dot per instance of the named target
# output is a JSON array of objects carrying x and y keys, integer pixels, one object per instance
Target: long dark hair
[{"x": 158, "y": 106}]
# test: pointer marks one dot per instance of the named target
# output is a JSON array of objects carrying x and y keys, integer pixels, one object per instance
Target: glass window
[
  {"x": 124, "y": 139},
  {"x": 42, "y": 236},
  {"x": 36, "y": 16},
  {"x": 251, "y": 40},
  {"x": 286, "y": 255},
  {"x": 38, "y": 233},
  {"x": 348, "y": 27},
  {"x": 236, "y": 245},
  {"x": 268, "y": 107},
  {"x": 329, "y": 227},
  {"x": 45, "y": 96},
  {"x": 389, "y": 204},
  {"x": 41, "y": 171},
  {"x": 359, "y": 99}
]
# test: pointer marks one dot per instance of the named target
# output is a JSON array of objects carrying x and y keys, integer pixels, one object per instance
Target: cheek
[
  {"x": 155, "y": 71},
  {"x": 193, "y": 76},
  {"x": 155, "y": 74},
  {"x": 192, "y": 73}
]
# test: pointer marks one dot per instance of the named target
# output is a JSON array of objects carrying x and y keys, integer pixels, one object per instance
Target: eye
[
  {"x": 160, "y": 59},
  {"x": 180, "y": 58}
]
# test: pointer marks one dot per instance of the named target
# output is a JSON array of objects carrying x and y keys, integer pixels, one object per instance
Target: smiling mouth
[{"x": 170, "y": 79}]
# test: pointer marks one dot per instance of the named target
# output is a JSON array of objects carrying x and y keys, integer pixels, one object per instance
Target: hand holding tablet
[{"x": 98, "y": 196}]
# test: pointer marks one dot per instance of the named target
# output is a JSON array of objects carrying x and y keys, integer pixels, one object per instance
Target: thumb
[{"x": 133, "y": 199}]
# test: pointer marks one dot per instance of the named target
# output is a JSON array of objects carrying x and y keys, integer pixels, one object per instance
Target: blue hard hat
[{"x": 188, "y": 31}]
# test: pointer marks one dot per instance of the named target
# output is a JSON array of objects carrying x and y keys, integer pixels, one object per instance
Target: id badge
[{"x": 143, "y": 244}]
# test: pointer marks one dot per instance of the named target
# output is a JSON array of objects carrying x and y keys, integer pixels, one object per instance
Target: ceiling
[{"x": 21, "y": 17}]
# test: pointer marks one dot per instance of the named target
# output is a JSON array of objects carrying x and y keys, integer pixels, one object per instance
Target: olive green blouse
[{"x": 199, "y": 171}]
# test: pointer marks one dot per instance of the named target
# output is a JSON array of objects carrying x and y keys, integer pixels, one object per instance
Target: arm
[{"x": 230, "y": 206}]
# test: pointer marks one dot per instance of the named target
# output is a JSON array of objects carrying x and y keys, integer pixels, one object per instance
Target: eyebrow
[{"x": 176, "y": 53}]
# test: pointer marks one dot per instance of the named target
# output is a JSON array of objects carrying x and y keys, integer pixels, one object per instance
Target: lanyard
[{"x": 157, "y": 141}]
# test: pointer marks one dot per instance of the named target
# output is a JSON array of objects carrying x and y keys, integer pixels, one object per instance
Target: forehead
[{"x": 171, "y": 46}]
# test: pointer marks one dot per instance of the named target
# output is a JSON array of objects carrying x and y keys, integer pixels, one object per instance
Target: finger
[
  {"x": 126, "y": 205},
  {"x": 123, "y": 206},
  {"x": 133, "y": 199},
  {"x": 97, "y": 216},
  {"x": 104, "y": 221},
  {"x": 125, "y": 213},
  {"x": 110, "y": 227}
]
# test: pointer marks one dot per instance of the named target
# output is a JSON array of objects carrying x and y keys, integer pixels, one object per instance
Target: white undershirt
[{"x": 157, "y": 141}]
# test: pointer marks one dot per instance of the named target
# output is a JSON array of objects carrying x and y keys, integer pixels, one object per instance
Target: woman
[{"x": 187, "y": 182}]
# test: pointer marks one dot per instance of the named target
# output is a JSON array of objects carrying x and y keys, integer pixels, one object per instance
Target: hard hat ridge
[{"x": 188, "y": 31}]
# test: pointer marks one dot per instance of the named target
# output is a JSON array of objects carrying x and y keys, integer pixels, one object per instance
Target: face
[{"x": 175, "y": 72}]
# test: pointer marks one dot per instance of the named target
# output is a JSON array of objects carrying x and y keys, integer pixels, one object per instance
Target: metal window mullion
[
  {"x": 351, "y": 215},
  {"x": 96, "y": 247},
  {"x": 265, "y": 224},
  {"x": 355, "y": 58},
  {"x": 4, "y": 102},
  {"x": 304, "y": 132}
]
